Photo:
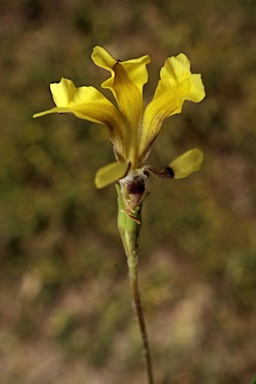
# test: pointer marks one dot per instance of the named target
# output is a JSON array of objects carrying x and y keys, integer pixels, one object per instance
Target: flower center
[{"x": 134, "y": 188}]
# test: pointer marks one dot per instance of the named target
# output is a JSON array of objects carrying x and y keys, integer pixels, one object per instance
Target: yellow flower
[{"x": 132, "y": 129}]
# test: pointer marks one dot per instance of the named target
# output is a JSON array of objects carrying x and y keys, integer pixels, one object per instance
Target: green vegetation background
[{"x": 65, "y": 311}]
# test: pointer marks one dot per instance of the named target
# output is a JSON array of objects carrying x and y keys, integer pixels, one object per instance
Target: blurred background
[{"x": 65, "y": 310}]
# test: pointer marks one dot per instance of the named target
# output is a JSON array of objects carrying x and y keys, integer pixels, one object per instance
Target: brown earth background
[{"x": 65, "y": 309}]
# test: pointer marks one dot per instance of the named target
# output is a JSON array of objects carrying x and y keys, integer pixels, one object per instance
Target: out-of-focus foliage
[{"x": 64, "y": 297}]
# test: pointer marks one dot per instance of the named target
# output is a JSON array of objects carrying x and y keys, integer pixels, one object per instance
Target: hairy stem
[
  {"x": 129, "y": 230},
  {"x": 133, "y": 275}
]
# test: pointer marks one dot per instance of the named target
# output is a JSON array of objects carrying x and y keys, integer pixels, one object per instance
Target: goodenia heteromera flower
[{"x": 132, "y": 129}]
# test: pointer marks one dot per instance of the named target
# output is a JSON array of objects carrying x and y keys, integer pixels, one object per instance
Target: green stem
[{"x": 129, "y": 230}]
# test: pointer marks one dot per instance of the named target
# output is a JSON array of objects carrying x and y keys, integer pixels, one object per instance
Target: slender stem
[
  {"x": 143, "y": 331},
  {"x": 129, "y": 231}
]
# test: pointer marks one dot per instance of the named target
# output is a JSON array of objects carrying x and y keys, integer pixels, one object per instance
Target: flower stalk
[{"x": 129, "y": 228}]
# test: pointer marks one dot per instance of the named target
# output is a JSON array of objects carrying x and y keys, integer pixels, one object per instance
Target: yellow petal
[
  {"x": 197, "y": 92},
  {"x": 89, "y": 104},
  {"x": 176, "y": 70},
  {"x": 126, "y": 83},
  {"x": 110, "y": 173},
  {"x": 63, "y": 92},
  {"x": 52, "y": 110},
  {"x": 176, "y": 85},
  {"x": 187, "y": 163},
  {"x": 134, "y": 71},
  {"x": 103, "y": 59},
  {"x": 85, "y": 102}
]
